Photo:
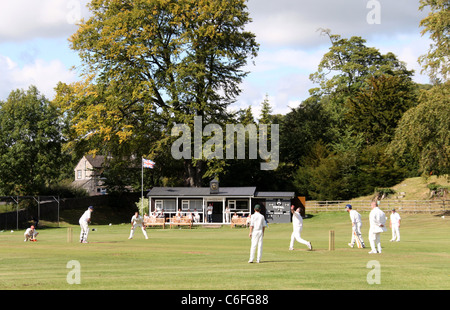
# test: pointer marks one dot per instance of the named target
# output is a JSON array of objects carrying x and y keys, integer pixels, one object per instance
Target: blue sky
[{"x": 34, "y": 47}]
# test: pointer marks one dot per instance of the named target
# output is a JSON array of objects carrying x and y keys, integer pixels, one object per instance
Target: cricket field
[{"x": 217, "y": 258}]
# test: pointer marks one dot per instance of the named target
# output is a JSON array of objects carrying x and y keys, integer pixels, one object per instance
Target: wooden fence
[{"x": 408, "y": 206}]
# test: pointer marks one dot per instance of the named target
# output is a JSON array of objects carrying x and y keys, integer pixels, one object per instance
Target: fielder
[
  {"x": 394, "y": 223},
  {"x": 257, "y": 227},
  {"x": 30, "y": 234},
  {"x": 355, "y": 218},
  {"x": 84, "y": 221},
  {"x": 377, "y": 220},
  {"x": 297, "y": 223},
  {"x": 137, "y": 221}
]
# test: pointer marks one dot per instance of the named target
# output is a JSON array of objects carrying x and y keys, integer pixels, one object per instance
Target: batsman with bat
[
  {"x": 355, "y": 218},
  {"x": 84, "y": 221}
]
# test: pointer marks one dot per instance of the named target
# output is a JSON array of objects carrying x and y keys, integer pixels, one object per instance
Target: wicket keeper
[{"x": 30, "y": 234}]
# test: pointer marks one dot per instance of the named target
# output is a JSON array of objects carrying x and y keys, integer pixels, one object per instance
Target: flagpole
[{"x": 142, "y": 184}]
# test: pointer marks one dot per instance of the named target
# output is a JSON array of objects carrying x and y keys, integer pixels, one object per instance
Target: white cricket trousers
[
  {"x": 84, "y": 231},
  {"x": 395, "y": 232},
  {"x": 375, "y": 241},
  {"x": 257, "y": 244},
  {"x": 296, "y": 236},
  {"x": 357, "y": 229},
  {"x": 142, "y": 228}
]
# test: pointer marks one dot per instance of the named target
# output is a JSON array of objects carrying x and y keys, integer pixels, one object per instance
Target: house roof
[
  {"x": 201, "y": 191},
  {"x": 275, "y": 194},
  {"x": 96, "y": 161},
  {"x": 223, "y": 191}
]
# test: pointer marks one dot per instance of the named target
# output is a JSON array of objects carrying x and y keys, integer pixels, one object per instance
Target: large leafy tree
[
  {"x": 31, "y": 156},
  {"x": 149, "y": 64},
  {"x": 376, "y": 109},
  {"x": 437, "y": 61},
  {"x": 301, "y": 129},
  {"x": 423, "y": 132},
  {"x": 361, "y": 96},
  {"x": 343, "y": 71},
  {"x": 347, "y": 65}
]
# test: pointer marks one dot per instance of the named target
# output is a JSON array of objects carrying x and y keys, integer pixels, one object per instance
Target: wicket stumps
[
  {"x": 69, "y": 234},
  {"x": 331, "y": 241}
]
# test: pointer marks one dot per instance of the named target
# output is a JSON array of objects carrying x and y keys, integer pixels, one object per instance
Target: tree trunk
[{"x": 194, "y": 173}]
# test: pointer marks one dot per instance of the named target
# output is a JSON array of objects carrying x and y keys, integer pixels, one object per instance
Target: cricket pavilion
[{"x": 239, "y": 200}]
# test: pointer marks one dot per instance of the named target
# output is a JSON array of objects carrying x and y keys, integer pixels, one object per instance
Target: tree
[
  {"x": 349, "y": 63},
  {"x": 266, "y": 111},
  {"x": 437, "y": 62},
  {"x": 375, "y": 110},
  {"x": 301, "y": 129},
  {"x": 423, "y": 132},
  {"x": 343, "y": 72},
  {"x": 31, "y": 156},
  {"x": 157, "y": 63}
]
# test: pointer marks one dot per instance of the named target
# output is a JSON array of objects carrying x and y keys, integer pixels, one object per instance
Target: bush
[{"x": 383, "y": 192}]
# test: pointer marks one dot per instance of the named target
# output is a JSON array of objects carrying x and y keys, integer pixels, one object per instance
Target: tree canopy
[
  {"x": 31, "y": 141},
  {"x": 154, "y": 63}
]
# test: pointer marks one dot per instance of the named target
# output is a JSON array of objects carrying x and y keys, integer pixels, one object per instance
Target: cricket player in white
[
  {"x": 137, "y": 221},
  {"x": 377, "y": 220},
  {"x": 84, "y": 221},
  {"x": 355, "y": 218},
  {"x": 395, "y": 225},
  {"x": 30, "y": 234},
  {"x": 297, "y": 223},
  {"x": 257, "y": 227}
]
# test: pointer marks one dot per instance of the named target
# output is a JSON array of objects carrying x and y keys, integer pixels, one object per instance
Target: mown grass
[{"x": 216, "y": 259}]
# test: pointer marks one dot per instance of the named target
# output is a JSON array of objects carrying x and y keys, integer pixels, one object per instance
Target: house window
[
  {"x": 170, "y": 205},
  {"x": 238, "y": 205},
  {"x": 185, "y": 205},
  {"x": 79, "y": 174},
  {"x": 158, "y": 205}
]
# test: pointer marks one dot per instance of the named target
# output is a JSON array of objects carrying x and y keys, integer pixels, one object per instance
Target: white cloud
[
  {"x": 25, "y": 19},
  {"x": 45, "y": 75},
  {"x": 295, "y": 23},
  {"x": 292, "y": 48}
]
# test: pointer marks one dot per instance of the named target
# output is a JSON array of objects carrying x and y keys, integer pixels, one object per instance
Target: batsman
[{"x": 355, "y": 218}]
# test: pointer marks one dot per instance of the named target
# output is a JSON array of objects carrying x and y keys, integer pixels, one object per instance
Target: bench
[
  {"x": 180, "y": 221},
  {"x": 155, "y": 222},
  {"x": 240, "y": 221}
]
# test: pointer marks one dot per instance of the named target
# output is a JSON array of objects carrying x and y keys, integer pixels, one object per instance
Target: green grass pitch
[{"x": 217, "y": 258}]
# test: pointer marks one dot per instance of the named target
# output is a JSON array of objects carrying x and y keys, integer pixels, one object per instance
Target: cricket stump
[
  {"x": 69, "y": 234},
  {"x": 331, "y": 241}
]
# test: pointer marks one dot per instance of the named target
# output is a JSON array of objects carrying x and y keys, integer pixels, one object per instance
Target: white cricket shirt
[
  {"x": 297, "y": 220},
  {"x": 395, "y": 218},
  {"x": 355, "y": 217},
  {"x": 86, "y": 216},
  {"x": 258, "y": 221},
  {"x": 136, "y": 220}
]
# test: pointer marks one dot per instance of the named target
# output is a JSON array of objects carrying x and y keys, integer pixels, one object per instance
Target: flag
[{"x": 147, "y": 163}]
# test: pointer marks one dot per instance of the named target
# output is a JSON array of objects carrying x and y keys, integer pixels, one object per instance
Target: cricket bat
[{"x": 359, "y": 243}]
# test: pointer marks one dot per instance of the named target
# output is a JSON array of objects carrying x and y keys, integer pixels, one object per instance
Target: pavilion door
[{"x": 217, "y": 215}]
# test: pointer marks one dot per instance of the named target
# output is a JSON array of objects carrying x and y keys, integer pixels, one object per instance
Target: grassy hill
[{"x": 415, "y": 188}]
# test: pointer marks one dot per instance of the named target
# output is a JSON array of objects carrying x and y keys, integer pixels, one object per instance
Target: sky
[{"x": 34, "y": 48}]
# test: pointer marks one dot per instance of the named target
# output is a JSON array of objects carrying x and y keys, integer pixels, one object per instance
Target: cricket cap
[
  {"x": 91, "y": 208},
  {"x": 348, "y": 206},
  {"x": 257, "y": 208}
]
